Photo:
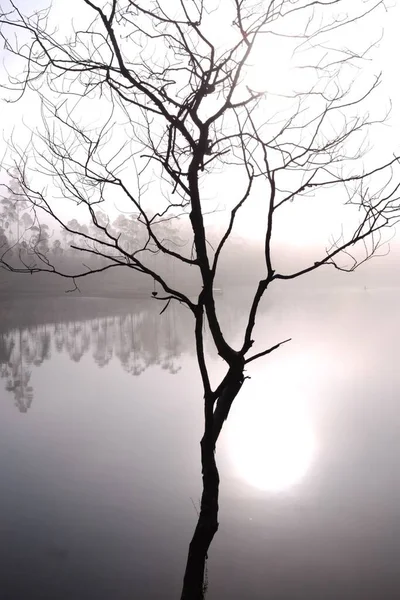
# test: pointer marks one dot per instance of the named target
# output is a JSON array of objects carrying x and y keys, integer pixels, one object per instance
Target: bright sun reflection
[{"x": 271, "y": 445}]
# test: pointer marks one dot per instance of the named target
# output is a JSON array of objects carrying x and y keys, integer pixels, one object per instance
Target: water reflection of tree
[
  {"x": 19, "y": 350},
  {"x": 139, "y": 340},
  {"x": 143, "y": 343}
]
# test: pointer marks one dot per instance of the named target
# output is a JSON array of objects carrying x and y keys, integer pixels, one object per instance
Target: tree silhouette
[
  {"x": 13, "y": 205},
  {"x": 4, "y": 242},
  {"x": 149, "y": 105}
]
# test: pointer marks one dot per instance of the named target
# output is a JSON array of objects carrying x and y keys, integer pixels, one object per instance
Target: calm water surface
[{"x": 100, "y": 420}]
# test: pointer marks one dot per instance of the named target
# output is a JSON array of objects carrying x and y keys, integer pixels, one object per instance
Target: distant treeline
[
  {"x": 241, "y": 265},
  {"x": 25, "y": 243}
]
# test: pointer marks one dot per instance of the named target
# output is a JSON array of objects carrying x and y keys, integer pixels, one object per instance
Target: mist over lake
[{"x": 100, "y": 422}]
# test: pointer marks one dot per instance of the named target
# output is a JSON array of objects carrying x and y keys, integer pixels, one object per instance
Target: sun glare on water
[{"x": 271, "y": 444}]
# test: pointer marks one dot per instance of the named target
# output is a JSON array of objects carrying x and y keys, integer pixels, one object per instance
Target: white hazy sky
[{"x": 310, "y": 221}]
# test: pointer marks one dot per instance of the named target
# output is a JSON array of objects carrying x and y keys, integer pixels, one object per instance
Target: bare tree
[{"x": 148, "y": 106}]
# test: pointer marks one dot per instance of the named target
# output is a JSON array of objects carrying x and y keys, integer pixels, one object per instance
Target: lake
[{"x": 100, "y": 422}]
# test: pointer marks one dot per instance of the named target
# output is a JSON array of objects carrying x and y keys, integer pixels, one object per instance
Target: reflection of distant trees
[
  {"x": 19, "y": 350},
  {"x": 142, "y": 342},
  {"x": 138, "y": 340}
]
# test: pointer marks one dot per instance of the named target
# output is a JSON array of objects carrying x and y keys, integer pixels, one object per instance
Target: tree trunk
[{"x": 207, "y": 524}]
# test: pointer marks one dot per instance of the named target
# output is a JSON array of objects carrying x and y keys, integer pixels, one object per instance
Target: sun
[{"x": 271, "y": 445}]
